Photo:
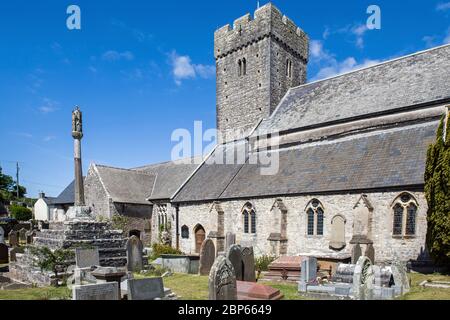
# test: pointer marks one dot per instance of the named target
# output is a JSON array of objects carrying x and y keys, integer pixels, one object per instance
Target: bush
[
  {"x": 159, "y": 249},
  {"x": 262, "y": 262},
  {"x": 20, "y": 213}
]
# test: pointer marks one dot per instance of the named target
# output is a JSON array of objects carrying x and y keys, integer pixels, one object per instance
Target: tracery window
[
  {"x": 404, "y": 215},
  {"x": 315, "y": 216},
  {"x": 249, "y": 215}
]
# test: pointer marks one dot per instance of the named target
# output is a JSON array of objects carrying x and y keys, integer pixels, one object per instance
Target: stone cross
[
  {"x": 77, "y": 134},
  {"x": 207, "y": 256},
  {"x": 222, "y": 280},
  {"x": 135, "y": 250}
]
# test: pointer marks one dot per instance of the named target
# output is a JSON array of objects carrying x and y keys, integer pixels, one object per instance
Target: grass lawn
[
  {"x": 420, "y": 293},
  {"x": 36, "y": 294}
]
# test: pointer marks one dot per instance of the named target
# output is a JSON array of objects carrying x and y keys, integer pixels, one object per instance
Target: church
[{"x": 350, "y": 150}]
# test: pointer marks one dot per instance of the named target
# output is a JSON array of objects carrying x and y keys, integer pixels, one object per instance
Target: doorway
[{"x": 200, "y": 236}]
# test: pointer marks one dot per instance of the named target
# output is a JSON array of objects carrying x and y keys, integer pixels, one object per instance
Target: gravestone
[
  {"x": 222, "y": 280},
  {"x": 13, "y": 252},
  {"x": 22, "y": 235},
  {"x": 29, "y": 236},
  {"x": 86, "y": 258},
  {"x": 248, "y": 262},
  {"x": 370, "y": 252},
  {"x": 135, "y": 250},
  {"x": 207, "y": 256},
  {"x": 356, "y": 253},
  {"x": 145, "y": 289},
  {"x": 13, "y": 237},
  {"x": 308, "y": 273},
  {"x": 2, "y": 235},
  {"x": 234, "y": 255},
  {"x": 230, "y": 239},
  {"x": 100, "y": 291},
  {"x": 4, "y": 256}
]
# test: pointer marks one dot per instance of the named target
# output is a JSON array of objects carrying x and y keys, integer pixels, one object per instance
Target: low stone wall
[{"x": 181, "y": 264}]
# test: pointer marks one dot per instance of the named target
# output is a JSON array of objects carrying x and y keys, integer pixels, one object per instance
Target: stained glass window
[
  {"x": 319, "y": 222},
  {"x": 245, "y": 221},
  {"x": 253, "y": 220},
  {"x": 411, "y": 220},
  {"x": 398, "y": 220},
  {"x": 310, "y": 222}
]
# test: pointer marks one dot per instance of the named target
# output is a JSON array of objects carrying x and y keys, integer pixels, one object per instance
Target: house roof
[
  {"x": 66, "y": 197},
  {"x": 49, "y": 200},
  {"x": 401, "y": 83}
]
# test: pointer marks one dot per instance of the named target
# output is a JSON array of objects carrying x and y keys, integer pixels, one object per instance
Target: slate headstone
[
  {"x": 135, "y": 250},
  {"x": 145, "y": 289},
  {"x": 230, "y": 239},
  {"x": 234, "y": 255},
  {"x": 248, "y": 262},
  {"x": 309, "y": 269},
  {"x": 4, "y": 255},
  {"x": 222, "y": 280},
  {"x": 2, "y": 235},
  {"x": 356, "y": 253},
  {"x": 86, "y": 258},
  {"x": 99, "y": 291},
  {"x": 13, "y": 238},
  {"x": 207, "y": 256}
]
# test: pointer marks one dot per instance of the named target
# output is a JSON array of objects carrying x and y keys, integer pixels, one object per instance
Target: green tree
[
  {"x": 54, "y": 261},
  {"x": 20, "y": 213},
  {"x": 437, "y": 192},
  {"x": 6, "y": 182}
]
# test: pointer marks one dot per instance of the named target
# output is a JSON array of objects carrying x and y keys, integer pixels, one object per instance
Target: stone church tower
[{"x": 257, "y": 61}]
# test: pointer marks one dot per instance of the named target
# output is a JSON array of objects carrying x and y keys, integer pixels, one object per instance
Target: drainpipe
[{"x": 177, "y": 221}]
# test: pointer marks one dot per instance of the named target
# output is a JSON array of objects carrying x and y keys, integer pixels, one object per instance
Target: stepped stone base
[{"x": 71, "y": 235}]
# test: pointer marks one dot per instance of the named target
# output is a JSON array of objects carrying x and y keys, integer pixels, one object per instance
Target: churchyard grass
[
  {"x": 61, "y": 293},
  {"x": 420, "y": 293}
]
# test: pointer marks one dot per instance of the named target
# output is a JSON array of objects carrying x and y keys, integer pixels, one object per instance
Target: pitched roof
[
  {"x": 401, "y": 83},
  {"x": 66, "y": 197},
  {"x": 169, "y": 176},
  {"x": 49, "y": 200},
  {"x": 351, "y": 163},
  {"x": 126, "y": 186}
]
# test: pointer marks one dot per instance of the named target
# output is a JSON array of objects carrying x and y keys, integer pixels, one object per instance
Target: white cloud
[
  {"x": 112, "y": 55},
  {"x": 48, "y": 106},
  {"x": 183, "y": 68},
  {"x": 93, "y": 69},
  {"x": 443, "y": 6},
  {"x": 356, "y": 31},
  {"x": 430, "y": 41},
  {"x": 49, "y": 138}
]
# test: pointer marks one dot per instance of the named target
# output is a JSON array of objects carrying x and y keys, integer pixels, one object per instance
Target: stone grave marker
[
  {"x": 356, "y": 253},
  {"x": 248, "y": 262},
  {"x": 230, "y": 239},
  {"x": 207, "y": 256},
  {"x": 86, "y": 258},
  {"x": 29, "y": 236},
  {"x": 135, "y": 250},
  {"x": 2, "y": 235},
  {"x": 234, "y": 255},
  {"x": 308, "y": 273},
  {"x": 145, "y": 289},
  {"x": 100, "y": 291},
  {"x": 222, "y": 280},
  {"x": 22, "y": 235},
  {"x": 370, "y": 252},
  {"x": 13, "y": 237},
  {"x": 4, "y": 256}
]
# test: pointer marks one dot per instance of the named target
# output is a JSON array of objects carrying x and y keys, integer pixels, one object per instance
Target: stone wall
[
  {"x": 139, "y": 217},
  {"x": 298, "y": 242},
  {"x": 95, "y": 195}
]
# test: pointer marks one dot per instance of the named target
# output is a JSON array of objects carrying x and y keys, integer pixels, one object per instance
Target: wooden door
[{"x": 200, "y": 236}]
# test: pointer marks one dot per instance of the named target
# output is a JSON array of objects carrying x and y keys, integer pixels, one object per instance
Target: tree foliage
[
  {"x": 437, "y": 192},
  {"x": 20, "y": 213}
]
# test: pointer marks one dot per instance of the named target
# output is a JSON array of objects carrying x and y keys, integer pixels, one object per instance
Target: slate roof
[
  {"x": 169, "y": 176},
  {"x": 66, "y": 197},
  {"x": 386, "y": 159},
  {"x": 126, "y": 186},
  {"x": 411, "y": 80},
  {"x": 49, "y": 200}
]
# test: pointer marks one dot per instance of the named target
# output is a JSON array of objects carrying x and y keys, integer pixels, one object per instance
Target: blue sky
[{"x": 140, "y": 69}]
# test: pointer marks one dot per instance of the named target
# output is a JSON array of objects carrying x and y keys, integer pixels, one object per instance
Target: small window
[
  {"x": 310, "y": 222},
  {"x": 411, "y": 220},
  {"x": 405, "y": 215},
  {"x": 253, "y": 220},
  {"x": 184, "y": 232},
  {"x": 239, "y": 68},
  {"x": 319, "y": 222},
  {"x": 244, "y": 66},
  {"x": 249, "y": 216},
  {"x": 315, "y": 218},
  {"x": 398, "y": 220}
]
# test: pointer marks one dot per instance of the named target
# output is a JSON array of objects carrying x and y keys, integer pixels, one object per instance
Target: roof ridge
[{"x": 124, "y": 169}]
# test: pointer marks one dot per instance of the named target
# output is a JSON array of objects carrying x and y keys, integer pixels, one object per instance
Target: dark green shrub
[
  {"x": 262, "y": 262},
  {"x": 159, "y": 249},
  {"x": 20, "y": 213}
]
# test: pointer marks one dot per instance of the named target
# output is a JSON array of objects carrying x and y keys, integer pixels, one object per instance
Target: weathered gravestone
[
  {"x": 13, "y": 238},
  {"x": 2, "y": 235},
  {"x": 22, "y": 235},
  {"x": 400, "y": 277},
  {"x": 234, "y": 255},
  {"x": 207, "y": 256},
  {"x": 145, "y": 289},
  {"x": 86, "y": 258},
  {"x": 4, "y": 256},
  {"x": 308, "y": 273},
  {"x": 230, "y": 239},
  {"x": 135, "y": 250},
  {"x": 13, "y": 252},
  {"x": 248, "y": 262},
  {"x": 222, "y": 280},
  {"x": 356, "y": 253},
  {"x": 101, "y": 291},
  {"x": 363, "y": 279},
  {"x": 29, "y": 236}
]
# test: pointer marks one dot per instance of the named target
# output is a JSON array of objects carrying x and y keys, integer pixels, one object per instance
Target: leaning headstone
[
  {"x": 2, "y": 235},
  {"x": 86, "y": 258},
  {"x": 22, "y": 235},
  {"x": 356, "y": 253},
  {"x": 222, "y": 280},
  {"x": 234, "y": 255},
  {"x": 248, "y": 263},
  {"x": 4, "y": 256},
  {"x": 135, "y": 250},
  {"x": 370, "y": 252},
  {"x": 207, "y": 256},
  {"x": 13, "y": 238},
  {"x": 230, "y": 239},
  {"x": 100, "y": 291},
  {"x": 145, "y": 289}
]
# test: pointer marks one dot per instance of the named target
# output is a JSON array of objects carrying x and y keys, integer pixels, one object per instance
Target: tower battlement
[{"x": 268, "y": 21}]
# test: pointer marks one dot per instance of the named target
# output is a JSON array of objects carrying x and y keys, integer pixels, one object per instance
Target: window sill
[{"x": 404, "y": 237}]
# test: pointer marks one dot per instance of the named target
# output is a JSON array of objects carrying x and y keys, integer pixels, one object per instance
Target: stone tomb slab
[
  {"x": 101, "y": 291},
  {"x": 2, "y": 235},
  {"x": 145, "y": 289},
  {"x": 256, "y": 291},
  {"x": 86, "y": 258},
  {"x": 285, "y": 268}
]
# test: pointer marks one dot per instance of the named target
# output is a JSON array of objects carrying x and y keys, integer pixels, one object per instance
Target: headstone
[
  {"x": 145, "y": 289},
  {"x": 207, "y": 256},
  {"x": 86, "y": 258},
  {"x": 2, "y": 235},
  {"x": 135, "y": 250},
  {"x": 363, "y": 279},
  {"x": 22, "y": 235},
  {"x": 234, "y": 255},
  {"x": 4, "y": 256},
  {"x": 222, "y": 280},
  {"x": 356, "y": 253},
  {"x": 230, "y": 239},
  {"x": 248, "y": 262},
  {"x": 309, "y": 270},
  {"x": 370, "y": 252},
  {"x": 29, "y": 236},
  {"x": 100, "y": 291},
  {"x": 13, "y": 251},
  {"x": 13, "y": 237},
  {"x": 401, "y": 280}
]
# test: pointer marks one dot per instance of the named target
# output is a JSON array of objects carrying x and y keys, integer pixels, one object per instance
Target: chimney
[{"x": 41, "y": 195}]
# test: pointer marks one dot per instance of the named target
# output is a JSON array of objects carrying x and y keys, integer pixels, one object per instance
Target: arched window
[
  {"x": 288, "y": 68},
  {"x": 405, "y": 214},
  {"x": 315, "y": 218},
  {"x": 184, "y": 232},
  {"x": 244, "y": 66},
  {"x": 249, "y": 214},
  {"x": 239, "y": 68}
]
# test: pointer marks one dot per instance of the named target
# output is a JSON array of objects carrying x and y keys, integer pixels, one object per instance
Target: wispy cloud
[
  {"x": 112, "y": 55},
  {"x": 48, "y": 106},
  {"x": 183, "y": 68},
  {"x": 443, "y": 6},
  {"x": 138, "y": 34},
  {"x": 356, "y": 31},
  {"x": 25, "y": 135},
  {"x": 49, "y": 138}
]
